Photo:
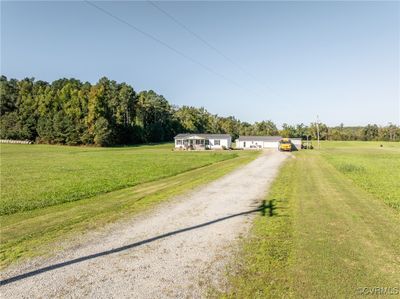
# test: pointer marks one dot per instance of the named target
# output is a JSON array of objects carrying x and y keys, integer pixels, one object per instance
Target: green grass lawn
[
  {"x": 330, "y": 235},
  {"x": 156, "y": 174},
  {"x": 37, "y": 176},
  {"x": 374, "y": 168}
]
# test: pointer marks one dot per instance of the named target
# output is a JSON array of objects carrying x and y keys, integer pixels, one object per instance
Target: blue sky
[{"x": 291, "y": 62}]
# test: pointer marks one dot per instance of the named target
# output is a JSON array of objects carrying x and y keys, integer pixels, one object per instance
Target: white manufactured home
[
  {"x": 259, "y": 142},
  {"x": 189, "y": 141}
]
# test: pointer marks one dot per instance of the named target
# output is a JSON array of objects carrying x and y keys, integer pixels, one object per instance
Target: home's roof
[
  {"x": 259, "y": 138},
  {"x": 205, "y": 136},
  {"x": 263, "y": 138}
]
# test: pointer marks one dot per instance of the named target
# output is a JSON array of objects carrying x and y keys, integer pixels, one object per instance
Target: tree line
[{"x": 68, "y": 111}]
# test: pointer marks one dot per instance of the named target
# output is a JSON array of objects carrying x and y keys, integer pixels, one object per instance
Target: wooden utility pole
[{"x": 318, "y": 130}]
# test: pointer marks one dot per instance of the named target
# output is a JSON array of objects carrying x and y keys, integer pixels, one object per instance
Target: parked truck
[{"x": 285, "y": 145}]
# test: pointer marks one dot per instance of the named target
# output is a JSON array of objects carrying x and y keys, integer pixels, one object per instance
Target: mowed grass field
[
  {"x": 53, "y": 193},
  {"x": 37, "y": 176},
  {"x": 374, "y": 168},
  {"x": 335, "y": 228}
]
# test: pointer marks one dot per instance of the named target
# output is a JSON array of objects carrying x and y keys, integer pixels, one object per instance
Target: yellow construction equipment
[{"x": 285, "y": 145}]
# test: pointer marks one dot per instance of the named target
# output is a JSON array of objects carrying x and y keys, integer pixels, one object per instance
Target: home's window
[
  {"x": 217, "y": 142},
  {"x": 207, "y": 142},
  {"x": 179, "y": 142},
  {"x": 198, "y": 141}
]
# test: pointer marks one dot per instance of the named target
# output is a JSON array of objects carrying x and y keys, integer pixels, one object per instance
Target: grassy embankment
[
  {"x": 335, "y": 229},
  {"x": 52, "y": 192}
]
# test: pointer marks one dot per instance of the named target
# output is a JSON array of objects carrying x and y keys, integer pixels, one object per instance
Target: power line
[
  {"x": 192, "y": 32},
  {"x": 179, "y": 23},
  {"x": 187, "y": 57}
]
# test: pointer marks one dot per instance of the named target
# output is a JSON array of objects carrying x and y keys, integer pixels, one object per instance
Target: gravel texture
[{"x": 177, "y": 250}]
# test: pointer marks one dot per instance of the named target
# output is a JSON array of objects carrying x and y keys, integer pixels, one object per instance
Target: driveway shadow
[{"x": 264, "y": 208}]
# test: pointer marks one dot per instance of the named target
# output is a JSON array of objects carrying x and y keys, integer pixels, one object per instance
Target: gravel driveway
[{"x": 177, "y": 250}]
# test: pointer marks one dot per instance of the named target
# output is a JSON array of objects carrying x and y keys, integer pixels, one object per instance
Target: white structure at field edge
[
  {"x": 189, "y": 141},
  {"x": 259, "y": 142}
]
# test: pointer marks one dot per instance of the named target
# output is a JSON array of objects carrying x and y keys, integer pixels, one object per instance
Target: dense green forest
[{"x": 68, "y": 111}]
